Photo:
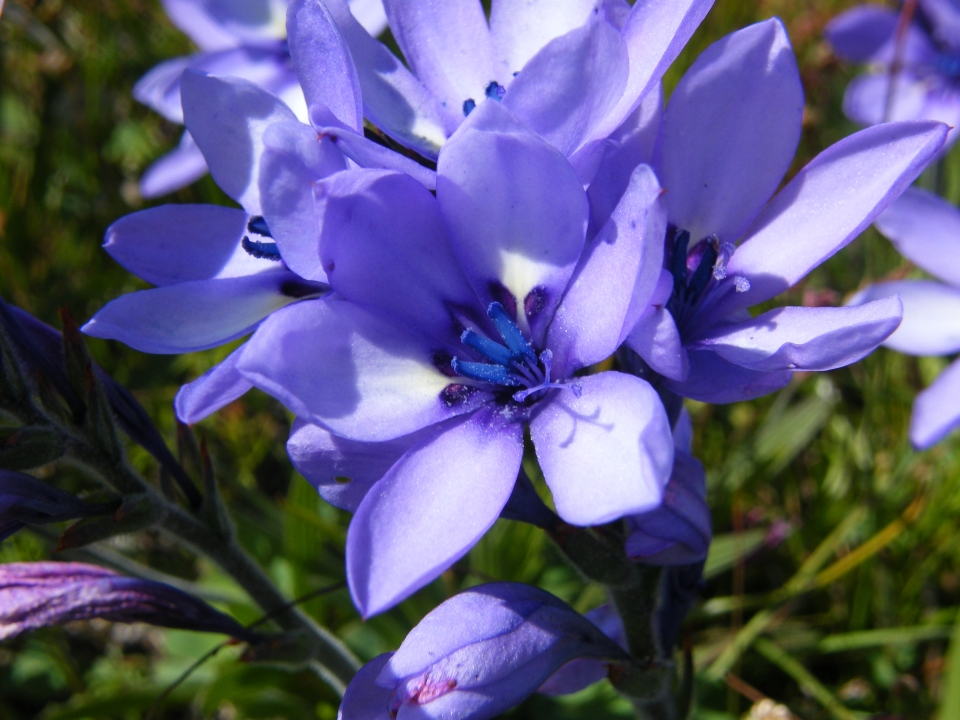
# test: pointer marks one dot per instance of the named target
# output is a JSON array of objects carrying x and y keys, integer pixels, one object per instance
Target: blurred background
[{"x": 834, "y": 580}]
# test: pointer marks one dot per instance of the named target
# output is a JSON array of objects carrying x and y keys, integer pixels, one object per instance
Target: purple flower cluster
[{"x": 433, "y": 295}]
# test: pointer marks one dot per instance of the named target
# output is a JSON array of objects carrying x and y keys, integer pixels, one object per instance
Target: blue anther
[
  {"x": 512, "y": 337},
  {"x": 485, "y": 372},
  {"x": 469, "y": 105},
  {"x": 261, "y": 250},
  {"x": 491, "y": 350},
  {"x": 495, "y": 91},
  {"x": 704, "y": 271},
  {"x": 259, "y": 226}
]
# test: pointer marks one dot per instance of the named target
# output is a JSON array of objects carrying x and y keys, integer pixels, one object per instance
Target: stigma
[{"x": 698, "y": 270}]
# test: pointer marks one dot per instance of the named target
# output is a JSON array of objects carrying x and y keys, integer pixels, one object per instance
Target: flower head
[
  {"x": 454, "y": 323},
  {"x": 926, "y": 230},
  {"x": 41, "y": 594},
  {"x": 476, "y": 655},
  {"x": 913, "y": 71},
  {"x": 726, "y": 139},
  {"x": 25, "y": 500}
]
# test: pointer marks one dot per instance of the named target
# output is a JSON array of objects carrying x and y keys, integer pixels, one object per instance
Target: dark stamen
[
  {"x": 495, "y": 91},
  {"x": 259, "y": 226},
  {"x": 469, "y": 105},
  {"x": 261, "y": 250}
]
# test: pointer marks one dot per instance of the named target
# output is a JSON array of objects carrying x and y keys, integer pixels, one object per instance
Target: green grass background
[{"x": 835, "y": 579}]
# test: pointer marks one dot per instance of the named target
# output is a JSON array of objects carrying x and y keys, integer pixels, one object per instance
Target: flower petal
[
  {"x": 227, "y": 118},
  {"x": 194, "y": 19},
  {"x": 194, "y": 315},
  {"x": 867, "y": 34},
  {"x": 364, "y": 699},
  {"x": 171, "y": 244},
  {"x": 925, "y": 228},
  {"x": 178, "y": 168},
  {"x": 655, "y": 338},
  {"x": 370, "y": 14},
  {"x": 361, "y": 376},
  {"x": 294, "y": 160},
  {"x": 730, "y": 131},
  {"x": 931, "y": 315},
  {"x": 629, "y": 146},
  {"x": 936, "y": 411},
  {"x": 393, "y": 99},
  {"x": 712, "y": 379},
  {"x": 869, "y": 99},
  {"x": 805, "y": 338},
  {"x": 343, "y": 470},
  {"x": 829, "y": 203},
  {"x": 521, "y": 28},
  {"x": 448, "y": 46},
  {"x": 614, "y": 281},
  {"x": 216, "y": 388},
  {"x": 571, "y": 85},
  {"x": 655, "y": 32},
  {"x": 159, "y": 89},
  {"x": 431, "y": 508},
  {"x": 323, "y": 63},
  {"x": 606, "y": 453},
  {"x": 516, "y": 211},
  {"x": 384, "y": 247},
  {"x": 944, "y": 15}
]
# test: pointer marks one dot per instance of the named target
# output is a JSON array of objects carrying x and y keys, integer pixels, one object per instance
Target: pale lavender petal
[
  {"x": 605, "y": 449},
  {"x": 227, "y": 118},
  {"x": 867, "y": 34},
  {"x": 250, "y": 21},
  {"x": 931, "y": 315},
  {"x": 730, "y": 132},
  {"x": 936, "y": 411},
  {"x": 655, "y": 32},
  {"x": 943, "y": 105},
  {"x": 829, "y": 203},
  {"x": 448, "y": 46},
  {"x": 364, "y": 699},
  {"x": 679, "y": 531},
  {"x": 571, "y": 85},
  {"x": 363, "y": 377},
  {"x": 431, "y": 508},
  {"x": 806, "y": 338},
  {"x": 295, "y": 159},
  {"x": 322, "y": 59},
  {"x": 178, "y": 168},
  {"x": 521, "y": 28},
  {"x": 657, "y": 340},
  {"x": 870, "y": 99},
  {"x": 369, "y": 154},
  {"x": 580, "y": 674},
  {"x": 393, "y": 99},
  {"x": 925, "y": 228},
  {"x": 614, "y": 281},
  {"x": 712, "y": 379},
  {"x": 945, "y": 17},
  {"x": 216, "y": 388},
  {"x": 629, "y": 146},
  {"x": 384, "y": 246},
  {"x": 485, "y": 650},
  {"x": 516, "y": 211},
  {"x": 159, "y": 89},
  {"x": 41, "y": 594},
  {"x": 370, "y": 14},
  {"x": 192, "y": 17},
  {"x": 170, "y": 244},
  {"x": 344, "y": 470},
  {"x": 195, "y": 315}
]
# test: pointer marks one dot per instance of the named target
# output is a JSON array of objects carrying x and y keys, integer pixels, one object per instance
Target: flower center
[
  {"x": 513, "y": 364},
  {"x": 947, "y": 63},
  {"x": 494, "y": 91},
  {"x": 696, "y": 271}
]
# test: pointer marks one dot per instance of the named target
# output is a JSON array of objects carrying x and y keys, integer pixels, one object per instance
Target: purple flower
[
  {"x": 41, "y": 594},
  {"x": 476, "y": 655},
  {"x": 456, "y": 322},
  {"x": 239, "y": 38},
  {"x": 926, "y": 85},
  {"x": 726, "y": 140},
  {"x": 24, "y": 500},
  {"x": 571, "y": 71},
  {"x": 926, "y": 230},
  {"x": 679, "y": 531}
]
